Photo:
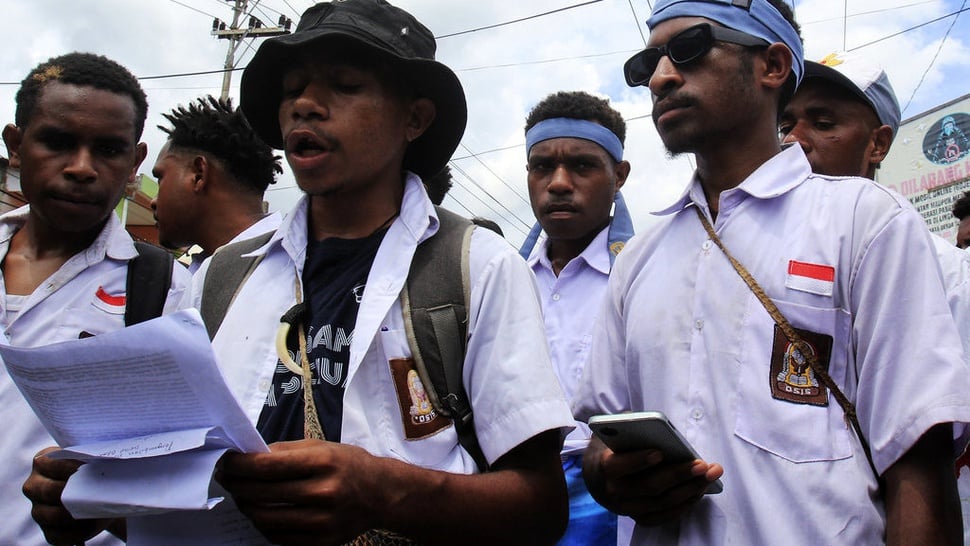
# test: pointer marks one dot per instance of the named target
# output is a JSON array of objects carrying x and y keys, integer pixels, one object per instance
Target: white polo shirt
[
  {"x": 569, "y": 305},
  {"x": 76, "y": 298},
  {"x": 510, "y": 382},
  {"x": 682, "y": 333}
]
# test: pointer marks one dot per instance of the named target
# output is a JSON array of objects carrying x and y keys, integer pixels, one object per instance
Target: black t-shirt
[{"x": 333, "y": 286}]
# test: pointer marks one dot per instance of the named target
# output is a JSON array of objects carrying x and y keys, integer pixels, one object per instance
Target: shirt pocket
[
  {"x": 429, "y": 441},
  {"x": 797, "y": 431}
]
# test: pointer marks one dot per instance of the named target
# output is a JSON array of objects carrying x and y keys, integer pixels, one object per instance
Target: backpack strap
[
  {"x": 229, "y": 269},
  {"x": 435, "y": 304},
  {"x": 146, "y": 286}
]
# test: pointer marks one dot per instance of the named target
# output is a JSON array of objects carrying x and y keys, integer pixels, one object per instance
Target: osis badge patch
[
  {"x": 792, "y": 378},
  {"x": 418, "y": 415}
]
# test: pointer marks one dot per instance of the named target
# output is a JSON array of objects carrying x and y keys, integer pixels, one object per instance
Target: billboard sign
[{"x": 929, "y": 163}]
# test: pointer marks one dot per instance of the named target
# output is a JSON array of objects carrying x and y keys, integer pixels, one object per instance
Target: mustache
[{"x": 671, "y": 102}]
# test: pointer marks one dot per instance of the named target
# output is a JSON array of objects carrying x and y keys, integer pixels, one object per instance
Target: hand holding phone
[{"x": 643, "y": 430}]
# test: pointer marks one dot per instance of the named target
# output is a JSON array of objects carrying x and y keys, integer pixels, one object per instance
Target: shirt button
[
  {"x": 697, "y": 414},
  {"x": 706, "y": 245},
  {"x": 699, "y": 324},
  {"x": 555, "y": 297}
]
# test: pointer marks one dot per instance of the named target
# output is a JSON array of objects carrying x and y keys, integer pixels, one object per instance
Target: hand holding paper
[{"x": 146, "y": 406}]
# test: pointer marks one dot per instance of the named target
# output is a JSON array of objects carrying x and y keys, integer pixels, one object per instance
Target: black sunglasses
[{"x": 688, "y": 45}]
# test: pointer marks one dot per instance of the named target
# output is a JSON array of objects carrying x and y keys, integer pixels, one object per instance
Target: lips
[
  {"x": 560, "y": 209},
  {"x": 74, "y": 198},
  {"x": 668, "y": 106},
  {"x": 307, "y": 143}
]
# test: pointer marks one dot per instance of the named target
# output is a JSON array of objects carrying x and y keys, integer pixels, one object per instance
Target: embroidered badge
[
  {"x": 792, "y": 379},
  {"x": 418, "y": 415},
  {"x": 616, "y": 247},
  {"x": 813, "y": 278}
]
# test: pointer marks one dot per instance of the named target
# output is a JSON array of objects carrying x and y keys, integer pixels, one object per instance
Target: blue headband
[
  {"x": 755, "y": 17},
  {"x": 574, "y": 128},
  {"x": 621, "y": 229}
]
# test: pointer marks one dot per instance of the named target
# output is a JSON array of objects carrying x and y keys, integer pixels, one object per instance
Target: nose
[
  {"x": 560, "y": 181},
  {"x": 312, "y": 101},
  {"x": 664, "y": 77},
  {"x": 797, "y": 134},
  {"x": 80, "y": 168}
]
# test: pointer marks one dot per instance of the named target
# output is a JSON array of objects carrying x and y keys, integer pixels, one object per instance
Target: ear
[
  {"x": 622, "y": 171},
  {"x": 141, "y": 151},
  {"x": 422, "y": 114},
  {"x": 200, "y": 170},
  {"x": 778, "y": 66},
  {"x": 882, "y": 139},
  {"x": 12, "y": 136}
]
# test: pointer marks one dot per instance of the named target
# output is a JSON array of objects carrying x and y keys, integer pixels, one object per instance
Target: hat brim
[
  {"x": 819, "y": 71},
  {"x": 262, "y": 87}
]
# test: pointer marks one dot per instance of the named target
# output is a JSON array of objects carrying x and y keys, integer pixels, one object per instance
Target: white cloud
[{"x": 156, "y": 37}]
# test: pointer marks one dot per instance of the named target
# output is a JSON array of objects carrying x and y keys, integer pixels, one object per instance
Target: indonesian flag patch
[{"x": 812, "y": 278}]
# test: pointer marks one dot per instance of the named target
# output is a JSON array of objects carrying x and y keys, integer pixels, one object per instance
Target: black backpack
[
  {"x": 147, "y": 283},
  {"x": 435, "y": 304}
]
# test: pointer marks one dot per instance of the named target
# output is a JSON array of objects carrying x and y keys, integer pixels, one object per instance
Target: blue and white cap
[
  {"x": 755, "y": 17},
  {"x": 864, "y": 79}
]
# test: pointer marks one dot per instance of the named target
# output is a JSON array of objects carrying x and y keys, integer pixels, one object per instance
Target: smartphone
[{"x": 646, "y": 430}]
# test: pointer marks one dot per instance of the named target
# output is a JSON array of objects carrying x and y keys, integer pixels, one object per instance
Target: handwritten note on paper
[{"x": 133, "y": 403}]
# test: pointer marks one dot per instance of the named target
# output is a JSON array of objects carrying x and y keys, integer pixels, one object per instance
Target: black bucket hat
[{"x": 382, "y": 28}]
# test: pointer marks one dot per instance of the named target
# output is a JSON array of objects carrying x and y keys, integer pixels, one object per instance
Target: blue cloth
[
  {"x": 574, "y": 128},
  {"x": 589, "y": 523},
  {"x": 621, "y": 229},
  {"x": 759, "y": 19}
]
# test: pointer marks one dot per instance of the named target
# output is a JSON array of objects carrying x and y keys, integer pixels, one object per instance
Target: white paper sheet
[{"x": 146, "y": 406}]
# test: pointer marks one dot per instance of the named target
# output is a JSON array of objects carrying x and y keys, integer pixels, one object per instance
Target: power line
[
  {"x": 291, "y": 8},
  {"x": 510, "y": 214},
  {"x": 870, "y": 12},
  {"x": 536, "y": 16},
  {"x": 937, "y": 54},
  {"x": 637, "y": 21},
  {"x": 193, "y": 9},
  {"x": 884, "y": 38},
  {"x": 546, "y": 61},
  {"x": 489, "y": 169}
]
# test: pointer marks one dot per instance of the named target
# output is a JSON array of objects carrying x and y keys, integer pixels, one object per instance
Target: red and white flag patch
[
  {"x": 812, "y": 278},
  {"x": 109, "y": 303},
  {"x": 104, "y": 296}
]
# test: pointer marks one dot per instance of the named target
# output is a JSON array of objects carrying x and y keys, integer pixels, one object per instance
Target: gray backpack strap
[
  {"x": 146, "y": 286},
  {"x": 435, "y": 304},
  {"x": 228, "y": 271}
]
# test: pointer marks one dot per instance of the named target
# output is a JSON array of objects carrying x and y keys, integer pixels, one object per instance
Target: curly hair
[
  {"x": 439, "y": 184},
  {"x": 578, "y": 105},
  {"x": 213, "y": 126},
  {"x": 961, "y": 207},
  {"x": 82, "y": 69}
]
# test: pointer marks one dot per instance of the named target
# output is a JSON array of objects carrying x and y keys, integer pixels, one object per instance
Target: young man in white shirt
[
  {"x": 574, "y": 147},
  {"x": 65, "y": 255},
  {"x": 212, "y": 173},
  {"x": 683, "y": 333}
]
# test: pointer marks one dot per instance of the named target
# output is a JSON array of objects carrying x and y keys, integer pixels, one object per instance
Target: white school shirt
[
  {"x": 570, "y": 303},
  {"x": 682, "y": 333},
  {"x": 955, "y": 263},
  {"x": 65, "y": 305},
  {"x": 512, "y": 388},
  {"x": 265, "y": 224}
]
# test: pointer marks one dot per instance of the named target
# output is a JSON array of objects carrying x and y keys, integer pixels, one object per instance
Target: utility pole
[{"x": 236, "y": 34}]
